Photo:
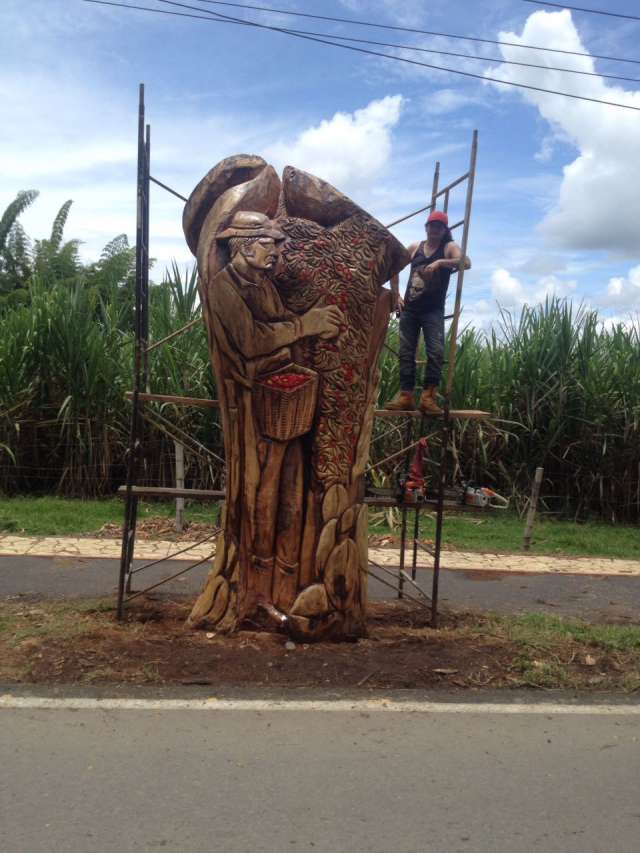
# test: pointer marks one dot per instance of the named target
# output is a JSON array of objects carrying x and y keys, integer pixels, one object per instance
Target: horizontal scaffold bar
[
  {"x": 166, "y": 492},
  {"x": 211, "y": 494},
  {"x": 458, "y": 414},
  {"x": 453, "y": 184}
]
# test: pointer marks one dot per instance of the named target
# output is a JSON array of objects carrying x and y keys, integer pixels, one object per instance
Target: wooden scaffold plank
[{"x": 167, "y": 492}]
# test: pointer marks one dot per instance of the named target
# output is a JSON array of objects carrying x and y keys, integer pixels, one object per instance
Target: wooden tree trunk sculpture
[{"x": 291, "y": 274}]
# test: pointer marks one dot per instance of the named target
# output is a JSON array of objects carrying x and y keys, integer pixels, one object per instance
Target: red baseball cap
[{"x": 438, "y": 216}]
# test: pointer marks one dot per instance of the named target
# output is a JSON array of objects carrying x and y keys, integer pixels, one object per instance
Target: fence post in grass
[
  {"x": 179, "y": 485},
  {"x": 533, "y": 505}
]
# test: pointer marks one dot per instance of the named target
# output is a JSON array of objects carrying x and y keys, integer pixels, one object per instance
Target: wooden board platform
[
  {"x": 429, "y": 505},
  {"x": 457, "y": 414}
]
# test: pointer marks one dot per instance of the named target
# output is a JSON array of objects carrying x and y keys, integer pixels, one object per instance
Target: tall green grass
[
  {"x": 66, "y": 362},
  {"x": 564, "y": 388}
]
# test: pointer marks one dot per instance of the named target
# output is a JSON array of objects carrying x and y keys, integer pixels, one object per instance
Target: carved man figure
[{"x": 253, "y": 335}]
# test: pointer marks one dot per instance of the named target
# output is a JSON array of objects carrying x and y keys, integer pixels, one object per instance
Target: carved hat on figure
[{"x": 248, "y": 223}]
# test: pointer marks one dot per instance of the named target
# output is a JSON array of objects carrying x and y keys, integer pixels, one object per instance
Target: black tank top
[{"x": 420, "y": 295}]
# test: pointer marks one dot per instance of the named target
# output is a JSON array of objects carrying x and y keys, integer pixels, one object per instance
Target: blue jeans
[{"x": 431, "y": 323}]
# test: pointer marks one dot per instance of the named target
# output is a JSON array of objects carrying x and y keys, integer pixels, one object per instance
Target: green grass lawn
[
  {"x": 49, "y": 516},
  {"x": 504, "y": 532},
  {"x": 549, "y": 536}
]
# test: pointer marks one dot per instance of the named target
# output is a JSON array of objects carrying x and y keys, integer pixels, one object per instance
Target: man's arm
[
  {"x": 451, "y": 260},
  {"x": 254, "y": 338},
  {"x": 452, "y": 255}
]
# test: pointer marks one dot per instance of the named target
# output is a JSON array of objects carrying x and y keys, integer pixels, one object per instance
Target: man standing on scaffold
[{"x": 432, "y": 262}]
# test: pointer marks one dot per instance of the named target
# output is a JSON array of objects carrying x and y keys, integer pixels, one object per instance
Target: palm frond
[{"x": 21, "y": 202}]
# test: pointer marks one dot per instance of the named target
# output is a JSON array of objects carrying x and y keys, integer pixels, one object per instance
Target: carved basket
[{"x": 286, "y": 413}]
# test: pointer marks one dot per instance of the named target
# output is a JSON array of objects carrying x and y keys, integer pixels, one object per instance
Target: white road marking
[{"x": 9, "y": 701}]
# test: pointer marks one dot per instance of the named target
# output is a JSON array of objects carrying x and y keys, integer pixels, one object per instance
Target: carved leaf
[
  {"x": 325, "y": 545},
  {"x": 313, "y": 601},
  {"x": 348, "y": 518},
  {"x": 362, "y": 535},
  {"x": 221, "y": 555},
  {"x": 228, "y": 173},
  {"x": 230, "y": 618},
  {"x": 220, "y": 601},
  {"x": 335, "y": 502},
  {"x": 208, "y": 599},
  {"x": 341, "y": 574}
]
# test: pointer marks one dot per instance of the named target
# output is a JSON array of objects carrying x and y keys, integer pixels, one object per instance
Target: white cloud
[
  {"x": 598, "y": 205},
  {"x": 480, "y": 314},
  {"x": 506, "y": 289},
  {"x": 509, "y": 292},
  {"x": 545, "y": 152},
  {"x": 624, "y": 292},
  {"x": 348, "y": 150},
  {"x": 444, "y": 101},
  {"x": 76, "y": 139}
]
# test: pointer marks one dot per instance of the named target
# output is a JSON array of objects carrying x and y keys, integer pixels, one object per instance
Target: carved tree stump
[{"x": 291, "y": 276}]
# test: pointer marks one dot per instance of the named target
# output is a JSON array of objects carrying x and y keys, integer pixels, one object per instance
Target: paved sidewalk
[
  {"x": 50, "y": 546},
  {"x": 592, "y": 597}
]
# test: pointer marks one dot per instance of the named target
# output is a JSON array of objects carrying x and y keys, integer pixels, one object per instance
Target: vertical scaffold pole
[
  {"x": 416, "y": 515},
  {"x": 446, "y": 420},
  {"x": 144, "y": 300},
  {"x": 141, "y": 321},
  {"x": 404, "y": 511},
  {"x": 465, "y": 241}
]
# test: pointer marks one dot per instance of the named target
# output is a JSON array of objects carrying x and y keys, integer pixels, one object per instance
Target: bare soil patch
[{"x": 82, "y": 642}]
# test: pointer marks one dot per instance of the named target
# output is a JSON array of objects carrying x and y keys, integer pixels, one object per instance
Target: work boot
[
  {"x": 403, "y": 402},
  {"x": 428, "y": 402}
]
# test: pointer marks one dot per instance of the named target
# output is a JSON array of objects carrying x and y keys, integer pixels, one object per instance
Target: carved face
[{"x": 262, "y": 254}]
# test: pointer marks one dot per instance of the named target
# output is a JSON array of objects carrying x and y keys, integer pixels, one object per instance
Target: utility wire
[
  {"x": 438, "y": 52},
  {"x": 469, "y": 56},
  {"x": 423, "y": 49},
  {"x": 413, "y": 30},
  {"x": 582, "y": 9},
  {"x": 293, "y": 33}
]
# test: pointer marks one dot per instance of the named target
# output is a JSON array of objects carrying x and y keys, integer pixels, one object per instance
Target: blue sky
[{"x": 557, "y": 209}]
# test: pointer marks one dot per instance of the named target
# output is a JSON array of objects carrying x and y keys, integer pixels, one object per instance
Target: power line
[
  {"x": 419, "y": 49},
  {"x": 582, "y": 9},
  {"x": 414, "y": 30},
  {"x": 469, "y": 56},
  {"x": 226, "y": 18}
]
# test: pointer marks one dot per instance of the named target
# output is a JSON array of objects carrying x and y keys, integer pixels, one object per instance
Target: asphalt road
[
  {"x": 590, "y": 597},
  {"x": 360, "y": 780}
]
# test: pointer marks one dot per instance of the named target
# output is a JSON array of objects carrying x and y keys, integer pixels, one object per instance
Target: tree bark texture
[{"x": 294, "y": 546}]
